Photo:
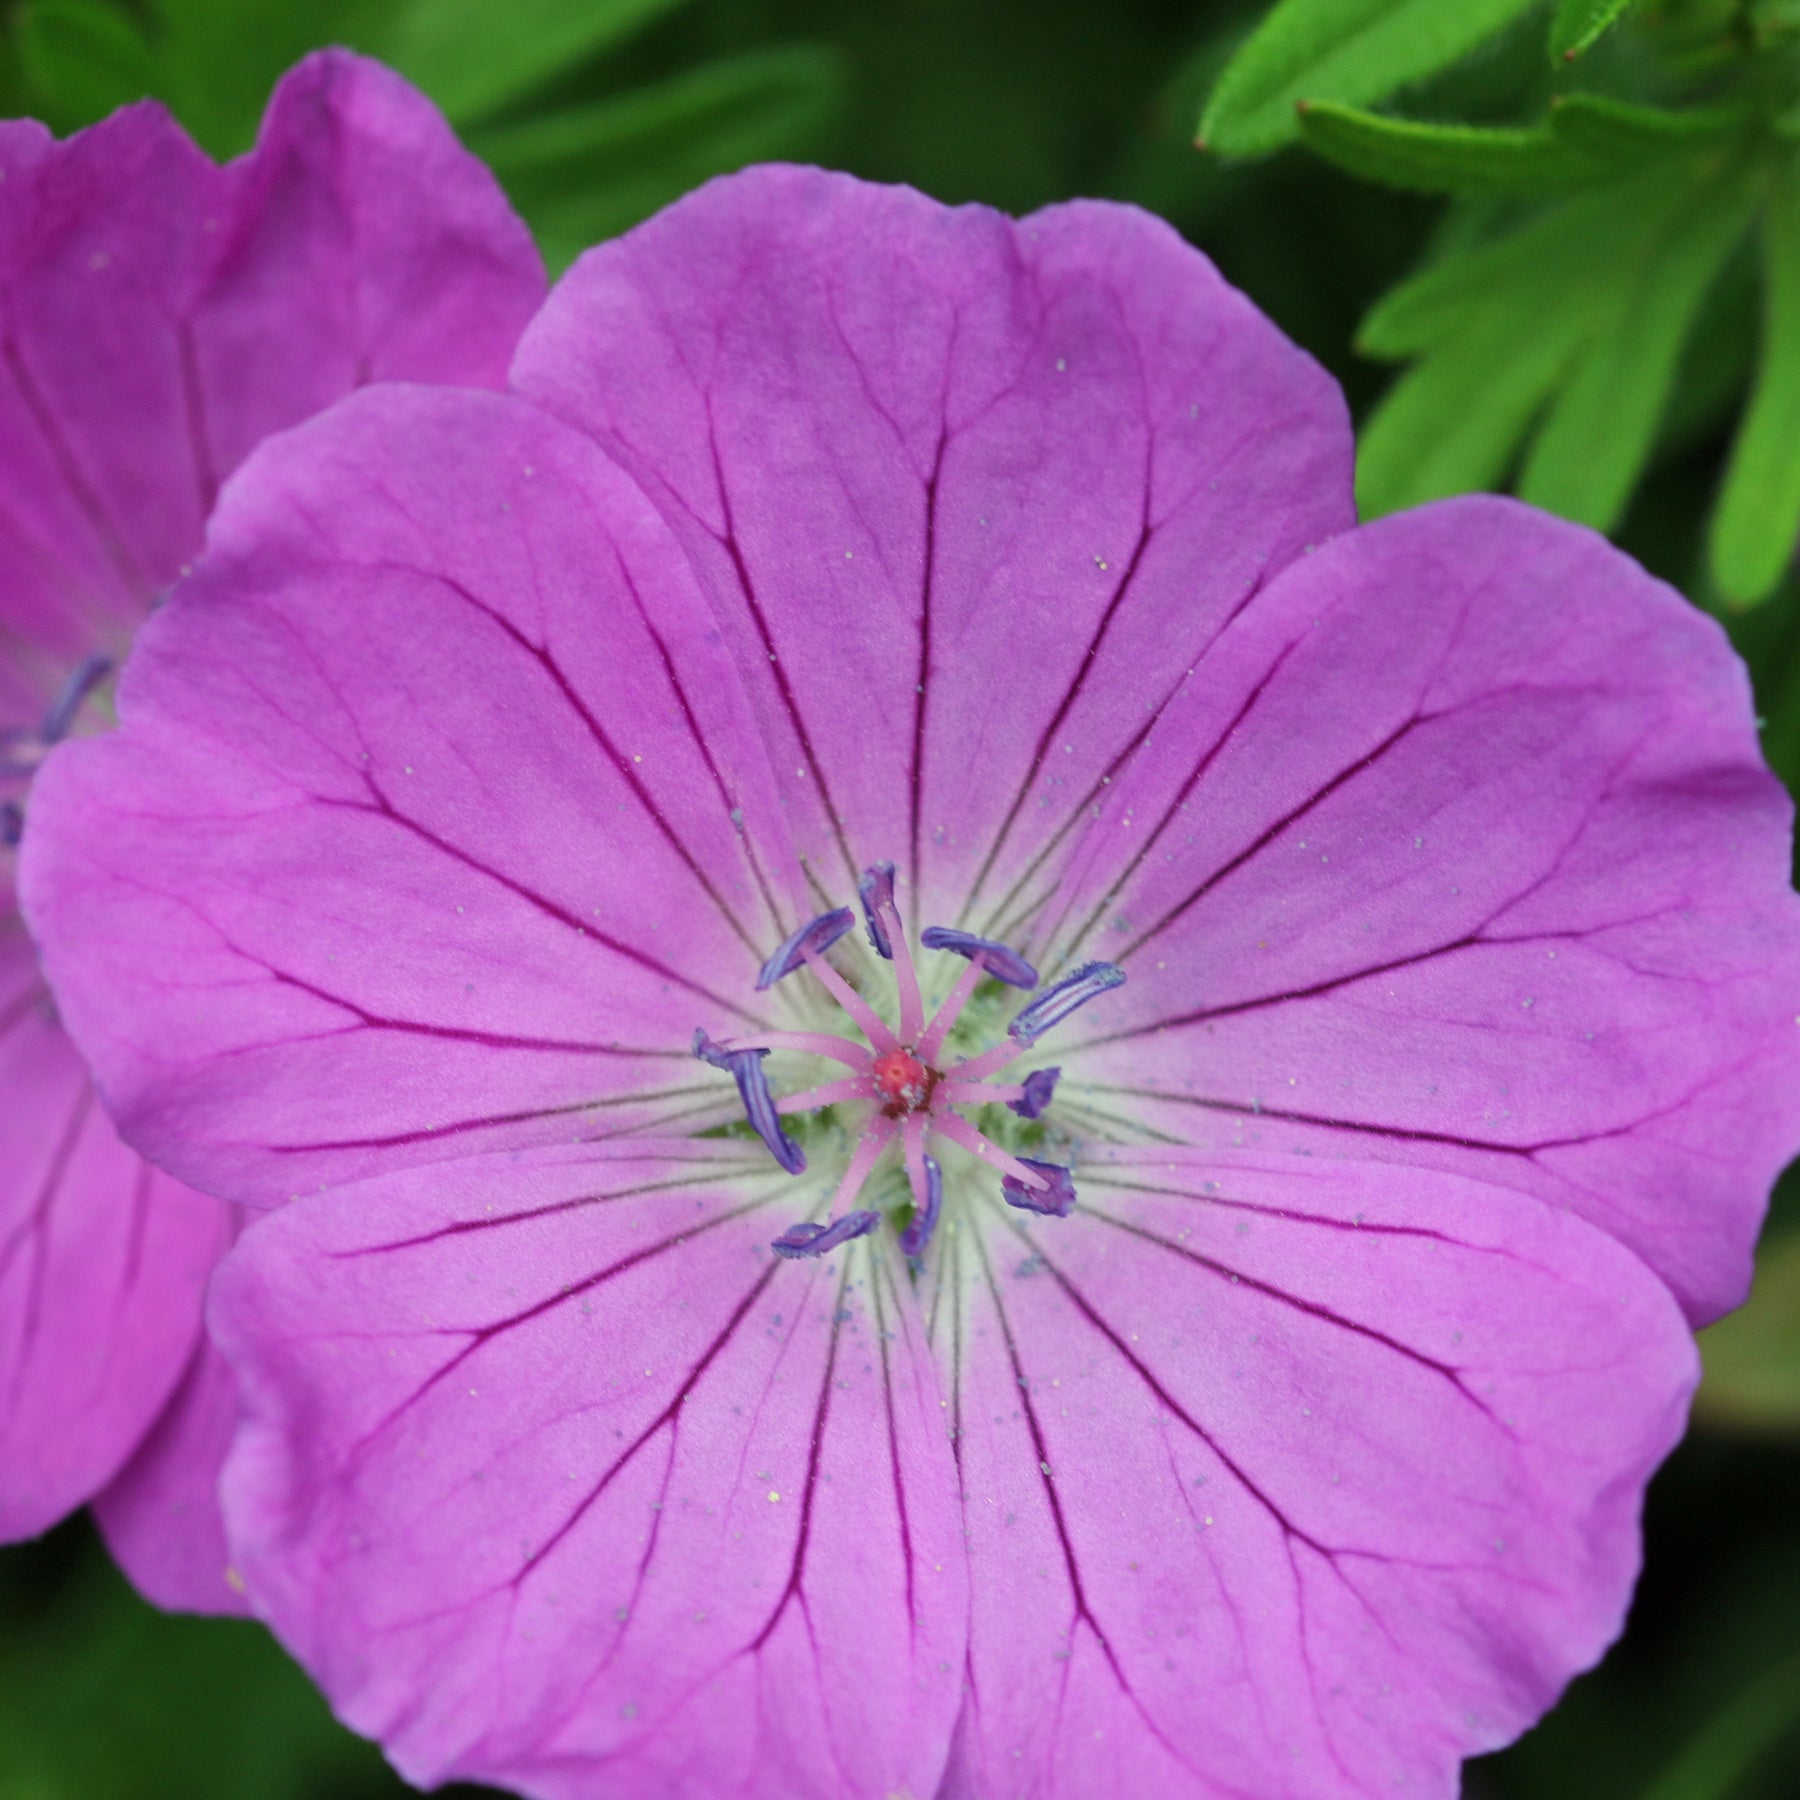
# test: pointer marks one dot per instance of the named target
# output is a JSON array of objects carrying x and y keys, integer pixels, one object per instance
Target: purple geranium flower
[
  {"x": 1165, "y": 1288},
  {"x": 158, "y": 317}
]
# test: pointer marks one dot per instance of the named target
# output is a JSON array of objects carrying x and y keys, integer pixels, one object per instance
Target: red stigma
[{"x": 903, "y": 1081}]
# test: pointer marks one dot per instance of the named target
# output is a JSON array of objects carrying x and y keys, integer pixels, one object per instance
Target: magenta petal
[
  {"x": 443, "y": 664},
  {"x": 1465, "y": 856},
  {"x": 160, "y": 1516},
  {"x": 554, "y": 1477},
  {"x": 369, "y": 245},
  {"x": 1287, "y": 1478},
  {"x": 161, "y": 315},
  {"x": 970, "y": 494},
  {"x": 103, "y": 1262}
]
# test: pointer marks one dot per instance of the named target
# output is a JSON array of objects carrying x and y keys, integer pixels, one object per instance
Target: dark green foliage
[
  {"x": 1349, "y": 50},
  {"x": 590, "y": 172},
  {"x": 1549, "y": 341},
  {"x": 1758, "y": 521},
  {"x": 1578, "y": 23}
]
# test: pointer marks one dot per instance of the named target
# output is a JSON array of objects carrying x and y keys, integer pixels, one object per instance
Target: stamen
[
  {"x": 876, "y": 891},
  {"x": 873, "y": 1026},
  {"x": 813, "y": 938},
  {"x": 918, "y": 1234},
  {"x": 959, "y": 1131},
  {"x": 814, "y": 1043},
  {"x": 83, "y": 679},
  {"x": 1056, "y": 1003},
  {"x": 745, "y": 1066},
  {"x": 1055, "y": 1196},
  {"x": 826, "y": 1094},
  {"x": 1002, "y": 963},
  {"x": 947, "y": 1014},
  {"x": 1040, "y": 1084},
  {"x": 12, "y": 823},
  {"x": 815, "y": 1240},
  {"x": 954, "y": 1091},
  {"x": 862, "y": 1160}
]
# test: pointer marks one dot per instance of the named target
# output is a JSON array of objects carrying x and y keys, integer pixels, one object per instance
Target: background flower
[
  {"x": 979, "y": 531},
  {"x": 159, "y": 316}
]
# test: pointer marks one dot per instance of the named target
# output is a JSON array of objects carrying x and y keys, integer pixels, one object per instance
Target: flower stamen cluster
[{"x": 898, "y": 1086}]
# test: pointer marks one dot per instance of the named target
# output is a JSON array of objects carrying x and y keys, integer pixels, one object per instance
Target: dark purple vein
[
  {"x": 385, "y": 808},
  {"x": 728, "y": 541},
  {"x": 915, "y": 775},
  {"x": 622, "y": 764}
]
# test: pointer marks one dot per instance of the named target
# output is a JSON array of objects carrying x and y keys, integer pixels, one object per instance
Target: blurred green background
[{"x": 1588, "y": 252}]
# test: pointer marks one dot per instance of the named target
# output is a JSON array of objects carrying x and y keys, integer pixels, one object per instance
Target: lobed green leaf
[
  {"x": 1352, "y": 51},
  {"x": 1578, "y": 318},
  {"x": 1602, "y": 425}
]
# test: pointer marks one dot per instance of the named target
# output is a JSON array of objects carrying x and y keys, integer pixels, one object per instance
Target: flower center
[
  {"x": 903, "y": 1081},
  {"x": 902, "y": 1091}
]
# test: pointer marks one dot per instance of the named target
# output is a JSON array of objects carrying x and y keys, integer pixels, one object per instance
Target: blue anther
[
  {"x": 1040, "y": 1084},
  {"x": 83, "y": 679},
  {"x": 816, "y": 935},
  {"x": 1003, "y": 964},
  {"x": 745, "y": 1067},
  {"x": 1057, "y": 1200},
  {"x": 918, "y": 1234},
  {"x": 12, "y": 823},
  {"x": 1055, "y": 1004},
  {"x": 816, "y": 1240},
  {"x": 876, "y": 890}
]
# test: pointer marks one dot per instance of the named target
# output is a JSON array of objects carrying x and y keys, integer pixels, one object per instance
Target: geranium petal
[
  {"x": 160, "y": 1515},
  {"x": 1465, "y": 856},
  {"x": 103, "y": 1263},
  {"x": 554, "y": 1476},
  {"x": 970, "y": 494},
  {"x": 443, "y": 666},
  {"x": 1286, "y": 1477},
  {"x": 160, "y": 315}
]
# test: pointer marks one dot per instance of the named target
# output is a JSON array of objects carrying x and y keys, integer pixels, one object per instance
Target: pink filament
[
  {"x": 947, "y": 1014},
  {"x": 862, "y": 1161},
  {"x": 856, "y": 1088},
  {"x": 959, "y": 1131},
  {"x": 852, "y": 1002},
  {"x": 815, "y": 1043}
]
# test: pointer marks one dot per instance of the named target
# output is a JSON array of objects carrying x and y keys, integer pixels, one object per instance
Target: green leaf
[
  {"x": 1622, "y": 128},
  {"x": 1441, "y": 159},
  {"x": 1354, "y": 51},
  {"x": 1752, "y": 1358},
  {"x": 1578, "y": 23},
  {"x": 1602, "y": 425},
  {"x": 1583, "y": 140},
  {"x": 105, "y": 1698},
  {"x": 1578, "y": 316},
  {"x": 472, "y": 56},
  {"x": 1534, "y": 274},
  {"x": 585, "y": 175},
  {"x": 1453, "y": 424},
  {"x": 84, "y": 57},
  {"x": 1735, "y": 1739},
  {"x": 214, "y": 61},
  {"x": 1757, "y": 524}
]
